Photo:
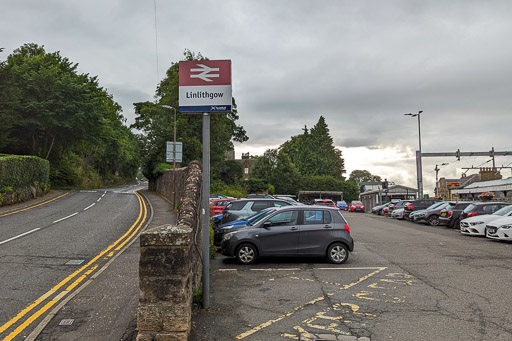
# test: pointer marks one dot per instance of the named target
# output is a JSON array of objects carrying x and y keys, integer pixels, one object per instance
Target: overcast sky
[{"x": 360, "y": 64}]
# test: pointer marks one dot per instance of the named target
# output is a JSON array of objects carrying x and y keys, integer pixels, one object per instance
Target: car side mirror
[{"x": 267, "y": 224}]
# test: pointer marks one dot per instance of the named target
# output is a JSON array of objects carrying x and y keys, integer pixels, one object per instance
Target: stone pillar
[{"x": 165, "y": 303}]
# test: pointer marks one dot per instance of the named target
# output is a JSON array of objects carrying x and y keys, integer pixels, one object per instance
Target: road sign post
[{"x": 205, "y": 88}]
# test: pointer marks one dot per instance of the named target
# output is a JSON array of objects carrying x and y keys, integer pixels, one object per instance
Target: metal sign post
[
  {"x": 206, "y": 211},
  {"x": 205, "y": 87}
]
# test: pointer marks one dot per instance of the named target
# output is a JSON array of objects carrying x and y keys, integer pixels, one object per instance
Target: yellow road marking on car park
[
  {"x": 309, "y": 303},
  {"x": 91, "y": 266},
  {"x": 28, "y": 208}
]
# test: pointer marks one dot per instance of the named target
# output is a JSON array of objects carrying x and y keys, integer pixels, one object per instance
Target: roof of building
[{"x": 486, "y": 186}]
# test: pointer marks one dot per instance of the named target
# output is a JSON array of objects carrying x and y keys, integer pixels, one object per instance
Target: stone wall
[{"x": 170, "y": 261}]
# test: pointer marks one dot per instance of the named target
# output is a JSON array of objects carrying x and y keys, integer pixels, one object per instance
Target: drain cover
[
  {"x": 66, "y": 322},
  {"x": 75, "y": 262}
]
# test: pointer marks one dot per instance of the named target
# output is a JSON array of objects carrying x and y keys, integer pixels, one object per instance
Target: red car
[
  {"x": 218, "y": 205},
  {"x": 356, "y": 206}
]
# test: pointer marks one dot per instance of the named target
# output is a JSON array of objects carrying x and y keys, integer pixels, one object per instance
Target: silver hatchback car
[{"x": 291, "y": 231}]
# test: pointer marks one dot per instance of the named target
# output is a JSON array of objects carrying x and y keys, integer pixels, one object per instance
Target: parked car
[
  {"x": 450, "y": 216},
  {"x": 324, "y": 202},
  {"x": 289, "y": 199},
  {"x": 431, "y": 215},
  {"x": 356, "y": 206},
  {"x": 500, "y": 229},
  {"x": 399, "y": 205},
  {"x": 417, "y": 205},
  {"x": 378, "y": 209},
  {"x": 244, "y": 208},
  {"x": 390, "y": 207},
  {"x": 398, "y": 213},
  {"x": 412, "y": 215},
  {"x": 342, "y": 205},
  {"x": 217, "y": 196},
  {"x": 476, "y": 225},
  {"x": 218, "y": 205},
  {"x": 220, "y": 230},
  {"x": 261, "y": 196},
  {"x": 479, "y": 208},
  {"x": 292, "y": 231}
]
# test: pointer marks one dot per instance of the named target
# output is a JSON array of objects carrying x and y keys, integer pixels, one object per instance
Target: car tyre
[
  {"x": 337, "y": 253},
  {"x": 246, "y": 254},
  {"x": 433, "y": 220}
]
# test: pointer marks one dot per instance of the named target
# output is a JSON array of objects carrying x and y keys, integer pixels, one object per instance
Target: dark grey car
[{"x": 291, "y": 231}]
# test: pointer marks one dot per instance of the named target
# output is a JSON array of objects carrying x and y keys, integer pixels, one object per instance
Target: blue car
[
  {"x": 220, "y": 230},
  {"x": 342, "y": 205}
]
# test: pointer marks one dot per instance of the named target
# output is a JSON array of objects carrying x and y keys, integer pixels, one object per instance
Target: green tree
[
  {"x": 358, "y": 176},
  {"x": 264, "y": 165},
  {"x": 313, "y": 152},
  {"x": 50, "y": 110},
  {"x": 156, "y": 125},
  {"x": 285, "y": 177}
]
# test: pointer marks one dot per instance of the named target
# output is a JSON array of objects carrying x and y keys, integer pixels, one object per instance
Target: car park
[
  {"x": 431, "y": 215},
  {"x": 311, "y": 231},
  {"x": 356, "y": 206},
  {"x": 479, "y": 208},
  {"x": 450, "y": 216},
  {"x": 500, "y": 229},
  {"x": 417, "y": 205},
  {"x": 476, "y": 225},
  {"x": 244, "y": 208}
]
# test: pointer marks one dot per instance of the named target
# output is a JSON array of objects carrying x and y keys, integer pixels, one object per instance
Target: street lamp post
[
  {"x": 437, "y": 169},
  {"x": 174, "y": 141},
  {"x": 418, "y": 155}
]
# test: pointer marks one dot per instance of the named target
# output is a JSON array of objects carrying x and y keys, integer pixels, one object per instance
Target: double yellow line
[
  {"x": 87, "y": 270},
  {"x": 28, "y": 208}
]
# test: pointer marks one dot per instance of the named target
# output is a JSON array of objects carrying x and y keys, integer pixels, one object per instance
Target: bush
[{"x": 22, "y": 171}]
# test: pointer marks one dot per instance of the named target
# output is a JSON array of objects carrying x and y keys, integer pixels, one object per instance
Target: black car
[
  {"x": 431, "y": 216},
  {"x": 417, "y": 205},
  {"x": 450, "y": 216},
  {"x": 292, "y": 231},
  {"x": 478, "y": 208}
]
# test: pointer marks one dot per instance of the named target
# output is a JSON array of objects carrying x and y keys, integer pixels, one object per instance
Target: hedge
[{"x": 22, "y": 171}]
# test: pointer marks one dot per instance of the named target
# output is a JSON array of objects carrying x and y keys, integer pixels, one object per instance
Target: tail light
[
  {"x": 471, "y": 214},
  {"x": 450, "y": 213},
  {"x": 347, "y": 228},
  {"x": 410, "y": 207}
]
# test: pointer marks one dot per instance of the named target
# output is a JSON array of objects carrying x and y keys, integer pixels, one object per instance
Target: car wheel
[
  {"x": 246, "y": 254},
  {"x": 433, "y": 220},
  {"x": 337, "y": 253}
]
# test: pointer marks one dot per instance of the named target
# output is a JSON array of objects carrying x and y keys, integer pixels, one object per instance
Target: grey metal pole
[
  {"x": 174, "y": 146},
  {"x": 420, "y": 165},
  {"x": 206, "y": 210}
]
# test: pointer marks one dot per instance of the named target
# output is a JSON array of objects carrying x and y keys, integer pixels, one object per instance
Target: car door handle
[
  {"x": 327, "y": 226},
  {"x": 293, "y": 228}
]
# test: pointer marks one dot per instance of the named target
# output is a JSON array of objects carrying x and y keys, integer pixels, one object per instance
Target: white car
[
  {"x": 476, "y": 225},
  {"x": 398, "y": 213},
  {"x": 500, "y": 229}
]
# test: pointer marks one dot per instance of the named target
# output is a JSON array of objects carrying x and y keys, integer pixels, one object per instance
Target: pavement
[{"x": 105, "y": 307}]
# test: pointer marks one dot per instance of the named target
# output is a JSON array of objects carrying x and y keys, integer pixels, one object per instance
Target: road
[
  {"x": 403, "y": 282},
  {"x": 48, "y": 250}
]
